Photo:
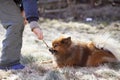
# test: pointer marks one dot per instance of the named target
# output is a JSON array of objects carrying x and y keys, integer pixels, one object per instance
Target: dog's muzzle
[{"x": 52, "y": 51}]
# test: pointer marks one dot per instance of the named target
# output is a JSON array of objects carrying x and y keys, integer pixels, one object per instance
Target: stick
[{"x": 45, "y": 44}]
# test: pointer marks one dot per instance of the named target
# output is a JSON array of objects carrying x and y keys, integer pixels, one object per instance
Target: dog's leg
[
  {"x": 101, "y": 60},
  {"x": 109, "y": 59}
]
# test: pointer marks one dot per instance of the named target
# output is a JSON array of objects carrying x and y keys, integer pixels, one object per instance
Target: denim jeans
[{"x": 12, "y": 20}]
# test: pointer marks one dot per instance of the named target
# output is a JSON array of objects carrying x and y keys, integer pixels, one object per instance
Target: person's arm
[{"x": 32, "y": 16}]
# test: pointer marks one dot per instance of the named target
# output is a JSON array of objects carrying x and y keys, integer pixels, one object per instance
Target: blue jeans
[{"x": 12, "y": 21}]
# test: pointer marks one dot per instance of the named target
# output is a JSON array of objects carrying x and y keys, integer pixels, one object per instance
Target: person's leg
[{"x": 12, "y": 20}]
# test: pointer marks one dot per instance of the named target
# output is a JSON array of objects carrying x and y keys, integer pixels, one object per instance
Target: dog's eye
[{"x": 55, "y": 45}]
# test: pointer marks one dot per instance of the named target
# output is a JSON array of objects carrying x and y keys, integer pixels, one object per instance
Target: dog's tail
[{"x": 105, "y": 42}]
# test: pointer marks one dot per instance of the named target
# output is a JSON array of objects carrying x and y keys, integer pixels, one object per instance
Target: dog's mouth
[{"x": 53, "y": 51}]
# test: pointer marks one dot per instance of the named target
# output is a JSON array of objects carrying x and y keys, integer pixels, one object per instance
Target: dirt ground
[{"x": 82, "y": 24}]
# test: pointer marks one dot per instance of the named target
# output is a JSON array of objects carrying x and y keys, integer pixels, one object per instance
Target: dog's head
[{"x": 60, "y": 45}]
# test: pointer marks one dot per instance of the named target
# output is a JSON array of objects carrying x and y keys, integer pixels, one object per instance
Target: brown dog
[{"x": 70, "y": 53}]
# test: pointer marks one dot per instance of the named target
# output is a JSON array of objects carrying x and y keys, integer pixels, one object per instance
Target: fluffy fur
[
  {"x": 100, "y": 50},
  {"x": 107, "y": 43}
]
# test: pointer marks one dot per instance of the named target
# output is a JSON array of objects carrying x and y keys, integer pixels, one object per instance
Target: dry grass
[{"x": 34, "y": 52}]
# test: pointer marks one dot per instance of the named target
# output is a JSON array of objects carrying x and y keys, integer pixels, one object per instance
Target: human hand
[{"x": 36, "y": 29}]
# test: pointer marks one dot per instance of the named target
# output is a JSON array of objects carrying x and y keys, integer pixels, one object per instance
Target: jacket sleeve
[{"x": 31, "y": 10}]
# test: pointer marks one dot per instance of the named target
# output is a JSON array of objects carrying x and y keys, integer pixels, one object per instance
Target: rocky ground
[{"x": 35, "y": 51}]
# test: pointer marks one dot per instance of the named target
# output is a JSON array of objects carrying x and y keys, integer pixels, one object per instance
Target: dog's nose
[{"x": 52, "y": 51}]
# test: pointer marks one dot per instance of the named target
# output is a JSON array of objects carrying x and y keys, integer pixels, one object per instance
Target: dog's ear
[{"x": 66, "y": 40}]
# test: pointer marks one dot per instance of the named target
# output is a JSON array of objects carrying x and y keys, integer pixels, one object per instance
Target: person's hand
[
  {"x": 38, "y": 33},
  {"x": 36, "y": 29}
]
